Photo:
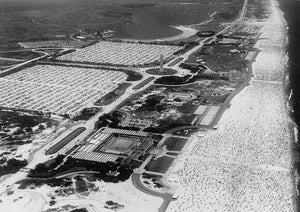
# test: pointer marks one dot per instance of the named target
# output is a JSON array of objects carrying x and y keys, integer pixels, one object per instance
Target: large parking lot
[
  {"x": 57, "y": 89},
  {"x": 121, "y": 53}
]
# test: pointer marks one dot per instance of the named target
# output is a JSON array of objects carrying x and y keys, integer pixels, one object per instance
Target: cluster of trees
[
  {"x": 186, "y": 48},
  {"x": 109, "y": 119},
  {"x": 132, "y": 75},
  {"x": 62, "y": 182},
  {"x": 86, "y": 113},
  {"x": 113, "y": 205},
  {"x": 164, "y": 126},
  {"x": 192, "y": 68},
  {"x": 46, "y": 169},
  {"x": 80, "y": 210},
  {"x": 175, "y": 80},
  {"x": 153, "y": 103},
  {"x": 24, "y": 121},
  {"x": 56, "y": 168},
  {"x": 113, "y": 120},
  {"x": 113, "y": 65},
  {"x": 12, "y": 166}
]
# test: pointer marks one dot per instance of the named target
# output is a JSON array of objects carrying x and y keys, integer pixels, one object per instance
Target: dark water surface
[
  {"x": 156, "y": 22},
  {"x": 291, "y": 10},
  {"x": 136, "y": 19}
]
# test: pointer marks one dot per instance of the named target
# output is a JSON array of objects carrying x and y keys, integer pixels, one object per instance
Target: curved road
[{"x": 167, "y": 197}]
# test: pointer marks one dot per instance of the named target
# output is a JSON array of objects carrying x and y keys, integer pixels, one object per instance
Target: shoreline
[{"x": 186, "y": 32}]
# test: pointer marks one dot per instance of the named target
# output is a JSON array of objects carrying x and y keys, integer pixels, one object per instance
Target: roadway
[{"x": 23, "y": 63}]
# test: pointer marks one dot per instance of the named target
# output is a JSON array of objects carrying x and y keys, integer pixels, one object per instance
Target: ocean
[{"x": 291, "y": 9}]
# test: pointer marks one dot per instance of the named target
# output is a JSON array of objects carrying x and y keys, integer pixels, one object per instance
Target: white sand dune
[
  {"x": 21, "y": 201},
  {"x": 37, "y": 200}
]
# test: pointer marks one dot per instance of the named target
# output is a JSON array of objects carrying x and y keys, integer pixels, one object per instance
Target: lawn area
[
  {"x": 65, "y": 141},
  {"x": 113, "y": 95},
  {"x": 80, "y": 185},
  {"x": 220, "y": 58},
  {"x": 80, "y": 210},
  {"x": 160, "y": 165},
  {"x": 166, "y": 71},
  {"x": 143, "y": 83},
  {"x": 175, "y": 144},
  {"x": 23, "y": 55},
  {"x": 188, "y": 108},
  {"x": 8, "y": 62}
]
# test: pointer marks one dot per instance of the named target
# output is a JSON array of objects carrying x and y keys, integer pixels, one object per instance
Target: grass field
[
  {"x": 143, "y": 83},
  {"x": 175, "y": 144},
  {"x": 8, "y": 62},
  {"x": 160, "y": 165},
  {"x": 219, "y": 58},
  {"x": 120, "y": 144},
  {"x": 65, "y": 141},
  {"x": 166, "y": 71},
  {"x": 23, "y": 55},
  {"x": 113, "y": 95}
]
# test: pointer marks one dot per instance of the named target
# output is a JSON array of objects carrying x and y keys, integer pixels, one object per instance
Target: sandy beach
[
  {"x": 246, "y": 164},
  {"x": 186, "y": 31}
]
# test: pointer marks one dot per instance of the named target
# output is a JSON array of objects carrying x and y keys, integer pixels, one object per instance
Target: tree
[{"x": 41, "y": 127}]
